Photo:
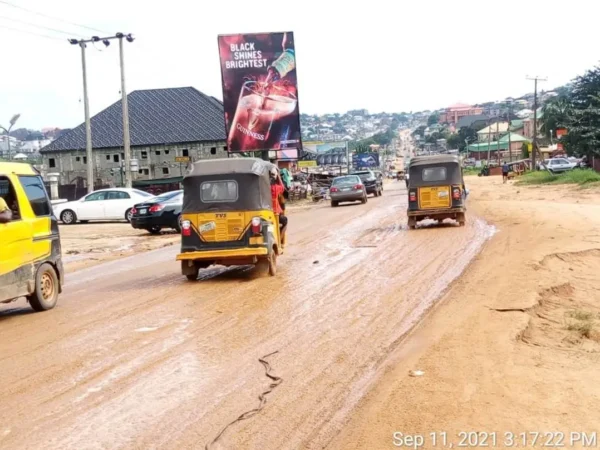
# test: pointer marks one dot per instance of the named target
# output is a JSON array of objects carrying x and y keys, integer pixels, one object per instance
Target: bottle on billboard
[{"x": 284, "y": 64}]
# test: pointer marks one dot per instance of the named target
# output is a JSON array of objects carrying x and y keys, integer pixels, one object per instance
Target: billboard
[
  {"x": 260, "y": 92},
  {"x": 366, "y": 160}
]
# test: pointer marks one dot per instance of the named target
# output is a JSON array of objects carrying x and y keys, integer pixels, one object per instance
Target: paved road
[{"x": 135, "y": 356}]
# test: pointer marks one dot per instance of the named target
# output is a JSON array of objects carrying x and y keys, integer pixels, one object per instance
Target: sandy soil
[
  {"x": 514, "y": 345},
  {"x": 135, "y": 356},
  {"x": 85, "y": 245}
]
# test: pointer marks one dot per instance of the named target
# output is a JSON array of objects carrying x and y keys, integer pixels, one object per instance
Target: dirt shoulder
[
  {"x": 85, "y": 245},
  {"x": 513, "y": 345}
]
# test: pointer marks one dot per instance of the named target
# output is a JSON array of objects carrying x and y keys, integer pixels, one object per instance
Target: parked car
[
  {"x": 559, "y": 165},
  {"x": 162, "y": 211},
  {"x": 347, "y": 188},
  {"x": 373, "y": 183},
  {"x": 104, "y": 204}
]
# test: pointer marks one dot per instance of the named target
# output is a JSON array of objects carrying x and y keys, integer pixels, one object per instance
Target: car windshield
[{"x": 346, "y": 180}]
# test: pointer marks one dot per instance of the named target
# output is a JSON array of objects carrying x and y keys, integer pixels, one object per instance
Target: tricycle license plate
[
  {"x": 143, "y": 211},
  {"x": 209, "y": 226},
  {"x": 443, "y": 194}
]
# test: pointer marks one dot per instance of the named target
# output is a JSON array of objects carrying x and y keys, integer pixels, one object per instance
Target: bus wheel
[{"x": 45, "y": 295}]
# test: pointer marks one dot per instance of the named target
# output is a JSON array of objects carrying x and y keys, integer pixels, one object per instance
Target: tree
[
  {"x": 433, "y": 119},
  {"x": 578, "y": 110},
  {"x": 419, "y": 131},
  {"x": 555, "y": 114}
]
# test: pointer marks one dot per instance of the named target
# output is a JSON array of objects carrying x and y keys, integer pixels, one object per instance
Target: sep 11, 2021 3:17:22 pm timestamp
[{"x": 508, "y": 439}]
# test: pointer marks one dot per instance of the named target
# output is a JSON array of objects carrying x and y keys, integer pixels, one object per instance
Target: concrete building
[
  {"x": 492, "y": 132},
  {"x": 164, "y": 124},
  {"x": 453, "y": 113}
]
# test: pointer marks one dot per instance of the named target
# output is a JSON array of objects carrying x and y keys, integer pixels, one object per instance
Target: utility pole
[
  {"x": 88, "y": 127},
  {"x": 535, "y": 108},
  {"x": 126, "y": 139}
]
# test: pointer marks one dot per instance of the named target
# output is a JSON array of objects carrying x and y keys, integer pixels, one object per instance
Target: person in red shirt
[{"x": 277, "y": 190}]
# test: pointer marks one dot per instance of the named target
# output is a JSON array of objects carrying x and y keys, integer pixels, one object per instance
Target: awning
[{"x": 158, "y": 181}]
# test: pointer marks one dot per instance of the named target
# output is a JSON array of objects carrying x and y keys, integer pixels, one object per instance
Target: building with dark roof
[{"x": 163, "y": 123}]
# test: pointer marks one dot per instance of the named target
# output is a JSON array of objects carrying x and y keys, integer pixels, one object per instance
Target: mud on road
[{"x": 134, "y": 356}]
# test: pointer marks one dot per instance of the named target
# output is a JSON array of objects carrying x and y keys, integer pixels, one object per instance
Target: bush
[{"x": 576, "y": 176}]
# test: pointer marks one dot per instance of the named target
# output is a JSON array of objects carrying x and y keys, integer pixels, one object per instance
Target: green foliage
[
  {"x": 419, "y": 131},
  {"x": 433, "y": 119},
  {"x": 524, "y": 151},
  {"x": 577, "y": 108},
  {"x": 576, "y": 176}
]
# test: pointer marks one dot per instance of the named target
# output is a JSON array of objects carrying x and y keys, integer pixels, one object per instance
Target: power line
[
  {"x": 48, "y": 17},
  {"x": 41, "y": 26},
  {"x": 54, "y": 38}
]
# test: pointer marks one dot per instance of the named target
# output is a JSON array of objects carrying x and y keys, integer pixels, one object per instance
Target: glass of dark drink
[{"x": 261, "y": 116}]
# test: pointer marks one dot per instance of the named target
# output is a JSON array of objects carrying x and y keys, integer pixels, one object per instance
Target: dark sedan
[
  {"x": 372, "y": 182},
  {"x": 162, "y": 211}
]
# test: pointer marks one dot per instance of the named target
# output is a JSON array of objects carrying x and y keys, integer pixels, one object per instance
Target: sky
[{"x": 382, "y": 55}]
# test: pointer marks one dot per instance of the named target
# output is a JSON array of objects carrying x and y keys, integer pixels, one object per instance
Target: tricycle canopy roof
[
  {"x": 228, "y": 184},
  {"x": 436, "y": 170},
  {"x": 222, "y": 166},
  {"x": 435, "y": 159}
]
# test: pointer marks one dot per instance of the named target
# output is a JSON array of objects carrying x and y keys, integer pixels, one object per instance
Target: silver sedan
[{"x": 348, "y": 188}]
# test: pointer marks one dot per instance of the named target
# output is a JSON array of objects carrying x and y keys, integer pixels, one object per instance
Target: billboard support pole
[
  {"x": 347, "y": 157},
  {"x": 265, "y": 155}
]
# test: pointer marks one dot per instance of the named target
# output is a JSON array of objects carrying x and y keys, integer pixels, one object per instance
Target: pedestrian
[
  {"x": 505, "y": 170},
  {"x": 277, "y": 190}
]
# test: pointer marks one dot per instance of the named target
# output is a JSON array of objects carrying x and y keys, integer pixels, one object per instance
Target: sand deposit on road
[
  {"x": 513, "y": 346},
  {"x": 85, "y": 245}
]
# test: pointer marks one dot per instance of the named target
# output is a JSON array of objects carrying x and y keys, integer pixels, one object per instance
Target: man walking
[{"x": 505, "y": 170}]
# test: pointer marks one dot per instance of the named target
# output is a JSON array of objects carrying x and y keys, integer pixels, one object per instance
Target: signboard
[
  {"x": 260, "y": 93},
  {"x": 560, "y": 132},
  {"x": 307, "y": 163},
  {"x": 182, "y": 159},
  {"x": 366, "y": 160}
]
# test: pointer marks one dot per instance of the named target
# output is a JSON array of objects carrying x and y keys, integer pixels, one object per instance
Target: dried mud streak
[
  {"x": 334, "y": 324},
  {"x": 262, "y": 398}
]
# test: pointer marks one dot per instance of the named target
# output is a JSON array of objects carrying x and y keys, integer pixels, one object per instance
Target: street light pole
[{"x": 11, "y": 124}]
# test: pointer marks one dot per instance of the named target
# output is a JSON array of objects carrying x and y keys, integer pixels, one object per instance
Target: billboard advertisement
[
  {"x": 366, "y": 160},
  {"x": 260, "y": 92}
]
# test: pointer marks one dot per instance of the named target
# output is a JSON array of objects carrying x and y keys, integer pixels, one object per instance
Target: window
[
  {"x": 351, "y": 179},
  {"x": 115, "y": 158},
  {"x": 77, "y": 159},
  {"x": 225, "y": 148},
  {"x": 122, "y": 155},
  {"x": 165, "y": 170},
  {"x": 219, "y": 191},
  {"x": 166, "y": 152},
  {"x": 52, "y": 163},
  {"x": 185, "y": 152},
  {"x": 117, "y": 195},
  {"x": 213, "y": 150},
  {"x": 85, "y": 159},
  {"x": 108, "y": 157},
  {"x": 144, "y": 155},
  {"x": 141, "y": 171},
  {"x": 96, "y": 196},
  {"x": 146, "y": 172},
  {"x": 157, "y": 152},
  {"x": 434, "y": 174},
  {"x": 36, "y": 193}
]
